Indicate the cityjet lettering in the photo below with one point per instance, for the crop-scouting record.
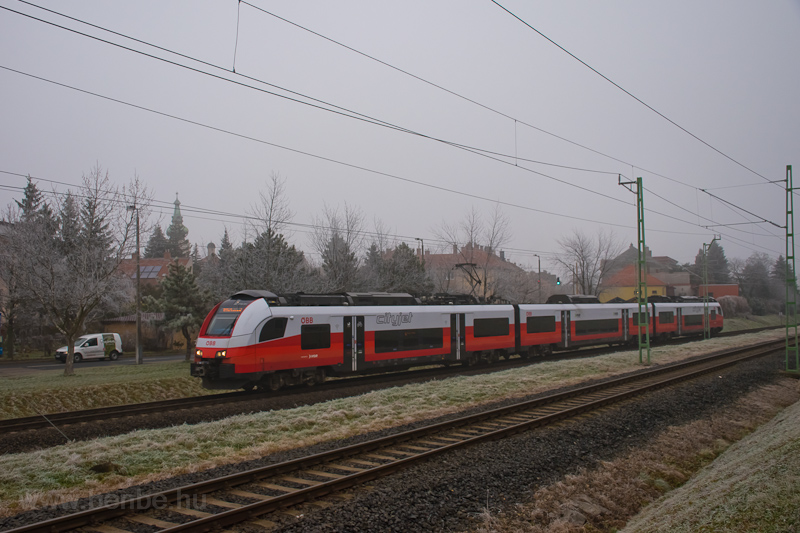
(394, 319)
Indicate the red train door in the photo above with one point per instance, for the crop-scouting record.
(353, 342)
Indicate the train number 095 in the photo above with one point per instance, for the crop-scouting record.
(307, 320)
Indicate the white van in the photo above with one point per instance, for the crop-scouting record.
(95, 346)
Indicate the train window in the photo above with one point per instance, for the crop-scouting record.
(315, 336)
(666, 317)
(713, 315)
(637, 321)
(273, 329)
(490, 327)
(541, 324)
(693, 320)
(403, 340)
(225, 317)
(589, 327)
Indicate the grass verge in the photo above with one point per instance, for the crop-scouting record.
(95, 387)
(64, 472)
(753, 486)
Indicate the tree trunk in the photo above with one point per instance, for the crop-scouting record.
(68, 364)
(188, 337)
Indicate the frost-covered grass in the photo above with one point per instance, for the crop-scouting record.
(63, 472)
(52, 392)
(753, 486)
(745, 489)
(752, 322)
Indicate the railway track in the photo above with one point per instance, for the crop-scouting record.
(252, 495)
(106, 413)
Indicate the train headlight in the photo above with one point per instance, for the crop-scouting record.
(222, 353)
(198, 353)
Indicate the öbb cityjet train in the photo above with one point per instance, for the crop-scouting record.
(259, 339)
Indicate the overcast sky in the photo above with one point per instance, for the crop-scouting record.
(555, 134)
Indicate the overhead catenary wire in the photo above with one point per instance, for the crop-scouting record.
(350, 165)
(446, 142)
(503, 158)
(648, 106)
(165, 208)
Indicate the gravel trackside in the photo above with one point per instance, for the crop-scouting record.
(449, 493)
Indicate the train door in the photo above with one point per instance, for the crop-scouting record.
(565, 327)
(625, 326)
(353, 342)
(458, 328)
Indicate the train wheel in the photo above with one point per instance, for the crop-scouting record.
(274, 382)
(249, 386)
(317, 378)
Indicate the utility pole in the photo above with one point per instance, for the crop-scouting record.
(641, 274)
(706, 324)
(539, 281)
(792, 348)
(139, 360)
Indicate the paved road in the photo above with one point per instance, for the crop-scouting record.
(22, 368)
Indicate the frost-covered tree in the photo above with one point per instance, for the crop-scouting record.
(71, 277)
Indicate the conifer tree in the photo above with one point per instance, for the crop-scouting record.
(184, 305)
(157, 244)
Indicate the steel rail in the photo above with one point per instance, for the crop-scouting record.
(397, 449)
(105, 413)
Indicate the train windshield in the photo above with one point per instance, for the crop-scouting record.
(224, 319)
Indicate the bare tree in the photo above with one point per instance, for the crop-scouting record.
(476, 242)
(586, 259)
(73, 274)
(338, 238)
(272, 213)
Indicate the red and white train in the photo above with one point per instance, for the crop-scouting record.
(259, 339)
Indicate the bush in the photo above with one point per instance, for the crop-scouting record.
(733, 306)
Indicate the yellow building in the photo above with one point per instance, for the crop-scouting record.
(623, 284)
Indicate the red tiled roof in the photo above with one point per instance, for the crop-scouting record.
(627, 278)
